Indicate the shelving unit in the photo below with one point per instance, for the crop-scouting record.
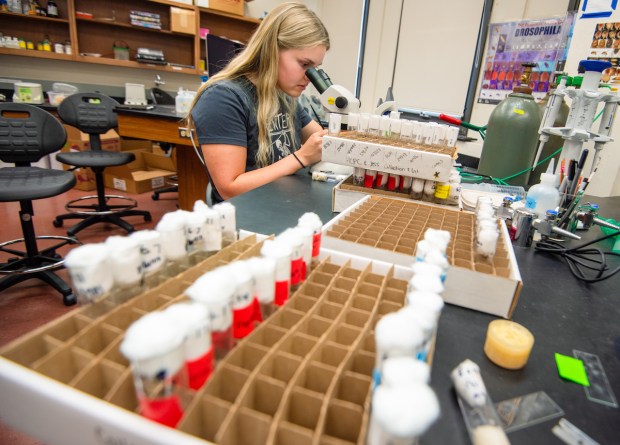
(92, 40)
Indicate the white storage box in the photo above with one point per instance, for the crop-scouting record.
(388, 230)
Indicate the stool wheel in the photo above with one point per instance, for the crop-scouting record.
(57, 223)
(155, 197)
(69, 300)
(148, 218)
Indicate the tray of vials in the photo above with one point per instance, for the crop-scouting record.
(396, 156)
(305, 375)
(389, 230)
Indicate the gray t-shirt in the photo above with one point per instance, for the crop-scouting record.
(225, 113)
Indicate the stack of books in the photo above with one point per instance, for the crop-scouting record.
(145, 19)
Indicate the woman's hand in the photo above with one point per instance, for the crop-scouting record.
(310, 151)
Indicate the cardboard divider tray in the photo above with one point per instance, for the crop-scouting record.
(388, 229)
(293, 380)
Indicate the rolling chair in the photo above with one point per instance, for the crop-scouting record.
(94, 114)
(161, 97)
(27, 134)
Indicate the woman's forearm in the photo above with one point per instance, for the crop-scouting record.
(253, 179)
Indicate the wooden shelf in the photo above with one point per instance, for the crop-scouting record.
(37, 54)
(99, 35)
(134, 64)
(33, 17)
(133, 27)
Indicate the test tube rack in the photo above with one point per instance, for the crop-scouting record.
(388, 229)
(396, 156)
(82, 351)
(303, 376)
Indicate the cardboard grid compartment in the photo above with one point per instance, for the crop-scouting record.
(395, 156)
(82, 350)
(304, 376)
(389, 229)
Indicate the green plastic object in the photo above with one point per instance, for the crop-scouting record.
(609, 231)
(511, 138)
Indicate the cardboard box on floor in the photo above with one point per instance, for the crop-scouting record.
(77, 140)
(85, 177)
(146, 173)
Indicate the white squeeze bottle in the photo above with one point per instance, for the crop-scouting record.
(543, 196)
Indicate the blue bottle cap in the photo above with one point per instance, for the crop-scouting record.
(595, 65)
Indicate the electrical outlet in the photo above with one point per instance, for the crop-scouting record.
(184, 132)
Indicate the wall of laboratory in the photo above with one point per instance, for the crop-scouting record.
(607, 179)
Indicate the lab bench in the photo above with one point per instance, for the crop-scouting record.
(562, 313)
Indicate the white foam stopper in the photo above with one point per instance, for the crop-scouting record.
(421, 317)
(125, 260)
(395, 336)
(215, 290)
(399, 371)
(264, 273)
(469, 384)
(438, 259)
(154, 346)
(172, 228)
(195, 227)
(417, 186)
(439, 238)
(212, 227)
(294, 240)
(228, 217)
(282, 254)
(486, 243)
(406, 129)
(429, 283)
(402, 413)
(89, 268)
(241, 274)
(307, 235)
(153, 257)
(426, 268)
(193, 318)
(429, 300)
(312, 220)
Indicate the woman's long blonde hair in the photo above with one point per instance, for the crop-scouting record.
(287, 26)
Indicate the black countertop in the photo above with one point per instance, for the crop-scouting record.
(561, 312)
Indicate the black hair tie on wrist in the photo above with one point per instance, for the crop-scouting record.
(298, 160)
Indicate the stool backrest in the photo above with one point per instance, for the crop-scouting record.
(28, 133)
(91, 113)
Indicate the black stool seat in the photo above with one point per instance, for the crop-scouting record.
(27, 134)
(96, 159)
(95, 114)
(19, 183)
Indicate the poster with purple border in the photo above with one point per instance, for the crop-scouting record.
(544, 42)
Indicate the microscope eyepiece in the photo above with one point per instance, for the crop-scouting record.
(319, 79)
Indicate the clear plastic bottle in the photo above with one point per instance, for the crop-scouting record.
(543, 196)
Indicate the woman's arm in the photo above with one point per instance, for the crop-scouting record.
(226, 164)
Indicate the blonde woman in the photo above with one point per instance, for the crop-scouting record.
(249, 126)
